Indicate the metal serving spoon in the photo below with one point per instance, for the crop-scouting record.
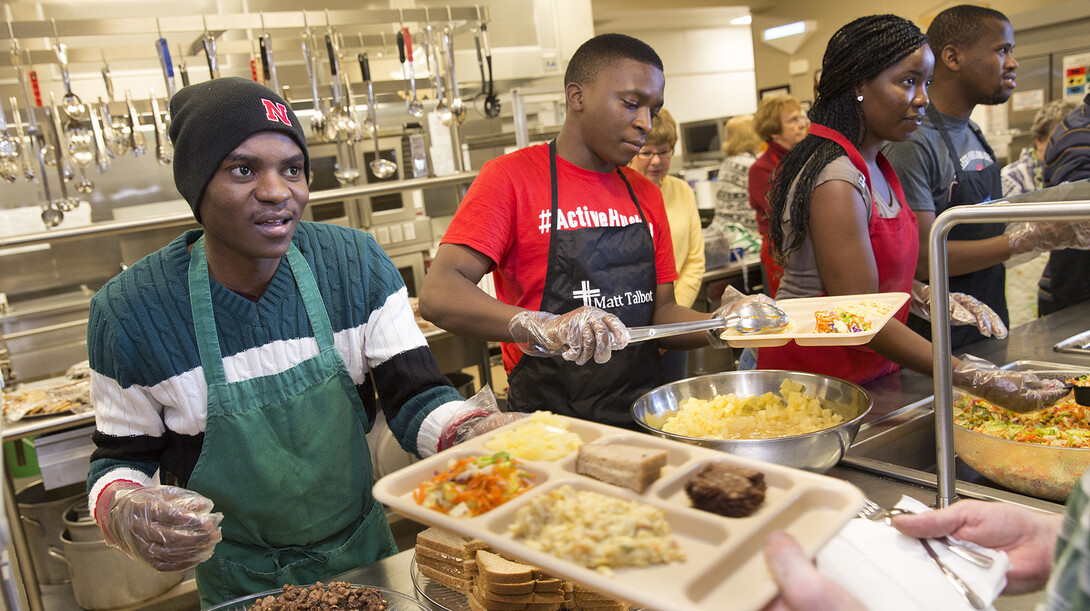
(317, 118)
(749, 318)
(457, 107)
(441, 108)
(415, 108)
(71, 104)
(381, 168)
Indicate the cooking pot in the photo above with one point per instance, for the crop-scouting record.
(41, 511)
(104, 578)
(79, 523)
(818, 451)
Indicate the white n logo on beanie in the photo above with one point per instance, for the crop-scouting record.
(276, 112)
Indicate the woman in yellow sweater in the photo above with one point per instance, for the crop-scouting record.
(653, 161)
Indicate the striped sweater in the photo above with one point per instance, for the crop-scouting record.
(147, 384)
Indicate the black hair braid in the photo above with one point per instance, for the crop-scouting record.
(855, 54)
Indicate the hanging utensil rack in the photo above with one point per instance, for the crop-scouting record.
(94, 44)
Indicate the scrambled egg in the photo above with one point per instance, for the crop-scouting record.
(596, 531)
(752, 417)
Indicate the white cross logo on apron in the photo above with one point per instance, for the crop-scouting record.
(586, 293)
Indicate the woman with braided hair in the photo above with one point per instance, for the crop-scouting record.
(839, 223)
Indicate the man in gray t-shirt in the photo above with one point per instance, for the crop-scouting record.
(947, 162)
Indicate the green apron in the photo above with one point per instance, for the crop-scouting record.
(285, 459)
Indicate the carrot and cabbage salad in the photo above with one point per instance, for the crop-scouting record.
(1083, 380)
(474, 485)
(1065, 424)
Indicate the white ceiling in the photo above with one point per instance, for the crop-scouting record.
(636, 18)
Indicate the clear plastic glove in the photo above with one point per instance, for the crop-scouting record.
(480, 414)
(577, 336)
(964, 310)
(1029, 239)
(1017, 392)
(169, 528)
(731, 299)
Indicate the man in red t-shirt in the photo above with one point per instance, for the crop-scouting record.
(579, 245)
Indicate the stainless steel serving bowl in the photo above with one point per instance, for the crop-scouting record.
(817, 451)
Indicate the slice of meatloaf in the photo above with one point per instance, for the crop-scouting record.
(727, 490)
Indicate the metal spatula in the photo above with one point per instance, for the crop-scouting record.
(748, 318)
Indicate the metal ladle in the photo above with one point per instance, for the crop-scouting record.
(317, 118)
(381, 168)
(457, 107)
(416, 109)
(51, 216)
(441, 108)
(72, 105)
(349, 174)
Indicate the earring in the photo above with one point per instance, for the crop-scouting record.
(859, 98)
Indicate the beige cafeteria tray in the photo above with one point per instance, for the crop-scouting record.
(801, 311)
(724, 561)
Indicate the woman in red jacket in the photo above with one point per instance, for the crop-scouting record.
(780, 123)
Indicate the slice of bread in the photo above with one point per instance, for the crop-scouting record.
(525, 588)
(483, 601)
(457, 584)
(454, 570)
(497, 569)
(446, 542)
(630, 466)
(550, 585)
(485, 596)
(426, 555)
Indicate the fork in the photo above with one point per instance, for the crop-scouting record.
(873, 511)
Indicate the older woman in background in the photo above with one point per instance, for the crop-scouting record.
(779, 122)
(733, 216)
(653, 161)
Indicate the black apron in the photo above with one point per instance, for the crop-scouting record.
(989, 284)
(612, 268)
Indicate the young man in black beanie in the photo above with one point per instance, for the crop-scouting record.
(236, 360)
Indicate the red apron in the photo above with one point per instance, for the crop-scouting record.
(896, 247)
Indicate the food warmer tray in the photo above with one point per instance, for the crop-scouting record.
(724, 555)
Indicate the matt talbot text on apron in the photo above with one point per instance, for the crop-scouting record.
(593, 297)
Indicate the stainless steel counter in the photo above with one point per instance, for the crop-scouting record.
(1032, 341)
